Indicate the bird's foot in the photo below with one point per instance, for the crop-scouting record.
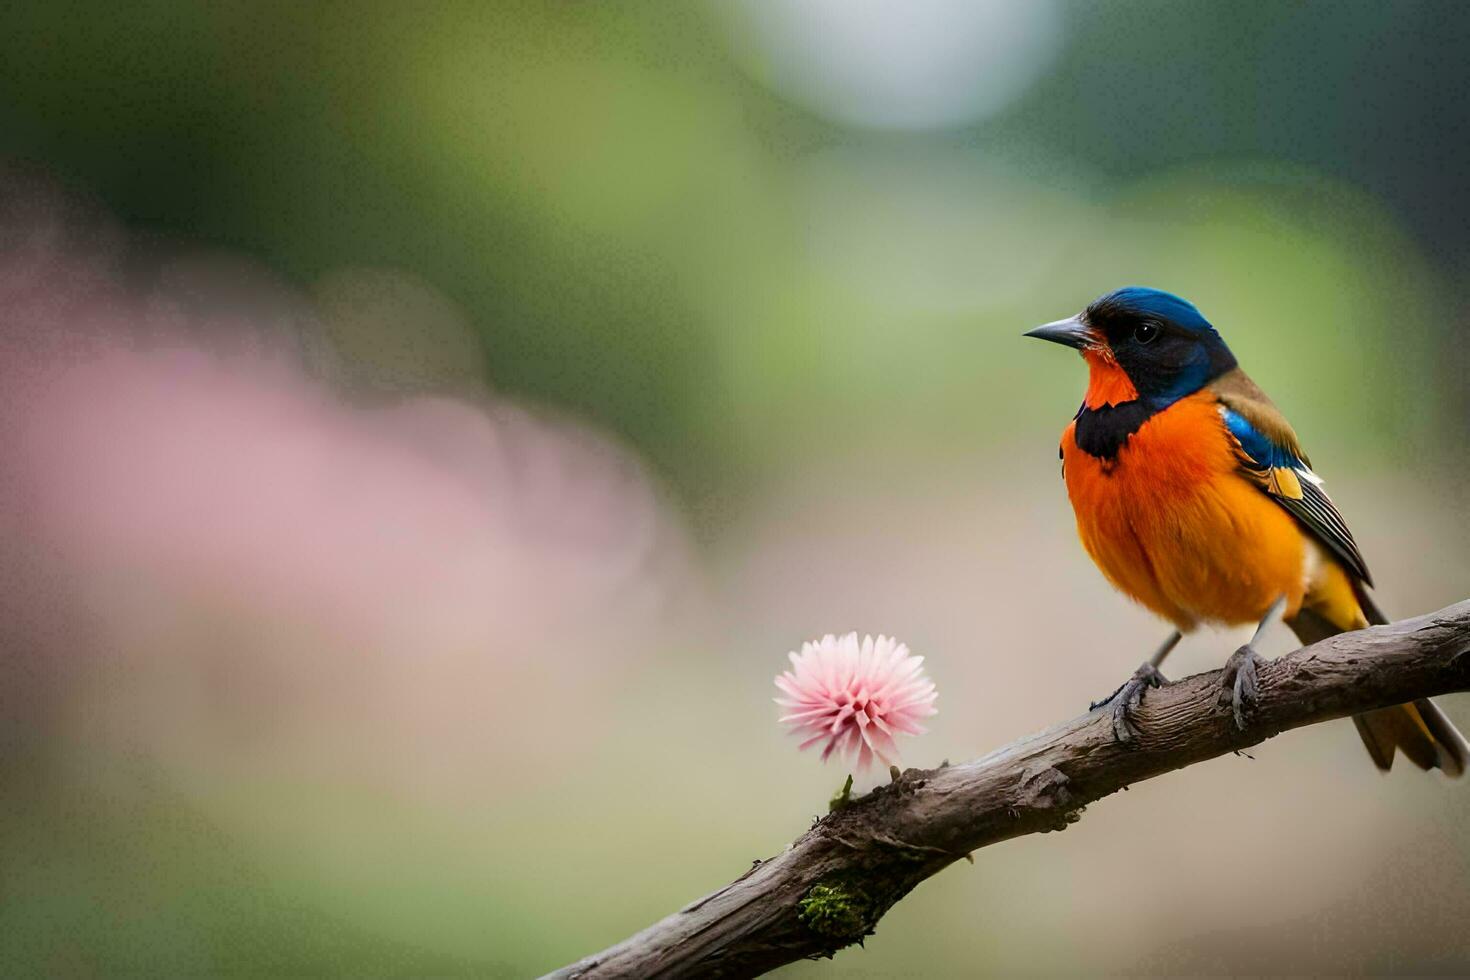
(1240, 685)
(1129, 696)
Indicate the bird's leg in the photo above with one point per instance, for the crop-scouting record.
(1239, 685)
(1130, 694)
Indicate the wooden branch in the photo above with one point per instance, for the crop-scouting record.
(829, 888)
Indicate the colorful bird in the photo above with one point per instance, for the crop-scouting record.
(1194, 497)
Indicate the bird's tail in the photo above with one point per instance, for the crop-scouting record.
(1419, 730)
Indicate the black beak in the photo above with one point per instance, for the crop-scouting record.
(1071, 332)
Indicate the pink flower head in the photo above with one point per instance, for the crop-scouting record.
(853, 696)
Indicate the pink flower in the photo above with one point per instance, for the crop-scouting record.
(853, 696)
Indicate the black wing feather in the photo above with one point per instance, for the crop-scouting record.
(1323, 519)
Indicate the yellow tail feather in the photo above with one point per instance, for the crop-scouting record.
(1419, 730)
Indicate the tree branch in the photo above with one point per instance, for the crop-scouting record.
(829, 888)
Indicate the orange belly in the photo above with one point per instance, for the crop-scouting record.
(1172, 523)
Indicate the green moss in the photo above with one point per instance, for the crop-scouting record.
(836, 911)
(842, 797)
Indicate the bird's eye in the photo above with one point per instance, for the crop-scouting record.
(1145, 332)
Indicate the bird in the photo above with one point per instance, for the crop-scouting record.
(1194, 497)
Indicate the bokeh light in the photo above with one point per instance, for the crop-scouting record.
(890, 64)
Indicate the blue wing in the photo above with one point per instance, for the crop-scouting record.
(1281, 471)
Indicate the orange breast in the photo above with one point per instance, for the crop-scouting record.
(1171, 523)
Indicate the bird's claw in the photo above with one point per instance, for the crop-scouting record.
(1130, 696)
(1240, 685)
(1093, 706)
(1146, 672)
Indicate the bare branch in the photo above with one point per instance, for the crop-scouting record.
(829, 888)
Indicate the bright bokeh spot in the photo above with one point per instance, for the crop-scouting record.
(896, 64)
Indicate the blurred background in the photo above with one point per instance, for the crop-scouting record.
(426, 427)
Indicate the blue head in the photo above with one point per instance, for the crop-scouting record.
(1162, 342)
